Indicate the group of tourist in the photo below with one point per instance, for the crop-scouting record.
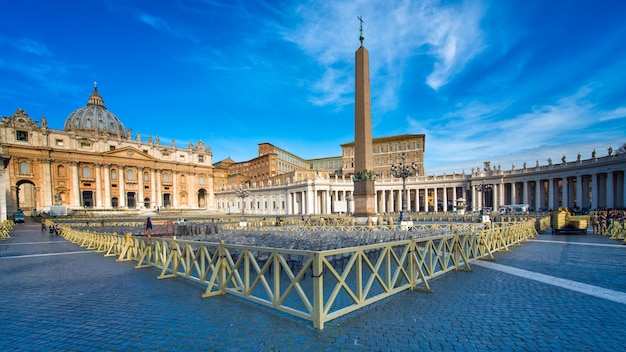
(602, 219)
(53, 229)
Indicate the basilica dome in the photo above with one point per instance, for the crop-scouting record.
(95, 118)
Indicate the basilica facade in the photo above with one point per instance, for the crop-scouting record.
(95, 163)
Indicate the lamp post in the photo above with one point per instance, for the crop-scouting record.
(483, 188)
(403, 171)
(243, 194)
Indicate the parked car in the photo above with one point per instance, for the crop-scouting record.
(18, 217)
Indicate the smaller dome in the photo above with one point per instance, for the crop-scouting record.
(94, 118)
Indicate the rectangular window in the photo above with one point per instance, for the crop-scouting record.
(165, 154)
(21, 136)
(85, 145)
(111, 147)
(59, 142)
(24, 168)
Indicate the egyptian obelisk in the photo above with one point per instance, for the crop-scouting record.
(364, 193)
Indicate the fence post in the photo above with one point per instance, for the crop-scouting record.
(318, 292)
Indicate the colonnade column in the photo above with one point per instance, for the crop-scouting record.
(580, 202)
(594, 191)
(624, 189)
(551, 193)
(417, 200)
(445, 199)
(426, 200)
(538, 196)
(610, 193)
(525, 192)
(564, 201)
(454, 197)
(513, 193)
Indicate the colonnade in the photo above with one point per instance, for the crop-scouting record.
(585, 184)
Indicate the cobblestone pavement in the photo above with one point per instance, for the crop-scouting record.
(559, 292)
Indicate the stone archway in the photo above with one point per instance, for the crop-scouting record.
(25, 195)
(201, 198)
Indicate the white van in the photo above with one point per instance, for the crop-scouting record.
(513, 209)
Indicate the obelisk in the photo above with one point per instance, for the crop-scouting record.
(364, 193)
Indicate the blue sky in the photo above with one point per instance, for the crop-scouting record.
(505, 81)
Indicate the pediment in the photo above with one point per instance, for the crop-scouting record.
(129, 152)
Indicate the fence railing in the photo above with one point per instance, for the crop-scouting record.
(314, 285)
(5, 228)
(616, 230)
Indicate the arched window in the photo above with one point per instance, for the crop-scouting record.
(113, 174)
(86, 172)
(61, 171)
(166, 177)
(130, 175)
(24, 168)
(182, 179)
(146, 177)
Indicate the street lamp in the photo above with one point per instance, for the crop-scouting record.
(243, 194)
(403, 171)
(483, 188)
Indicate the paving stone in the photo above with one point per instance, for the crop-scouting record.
(85, 301)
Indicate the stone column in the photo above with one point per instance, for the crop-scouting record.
(594, 191)
(551, 203)
(192, 191)
(417, 200)
(426, 200)
(579, 192)
(538, 195)
(454, 198)
(107, 186)
(45, 197)
(525, 192)
(175, 194)
(564, 200)
(121, 178)
(624, 189)
(3, 192)
(513, 193)
(140, 196)
(444, 199)
(75, 191)
(158, 186)
(98, 186)
(610, 190)
(153, 189)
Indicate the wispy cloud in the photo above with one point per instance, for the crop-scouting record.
(448, 35)
(27, 45)
(487, 132)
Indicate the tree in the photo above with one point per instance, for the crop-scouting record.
(621, 149)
